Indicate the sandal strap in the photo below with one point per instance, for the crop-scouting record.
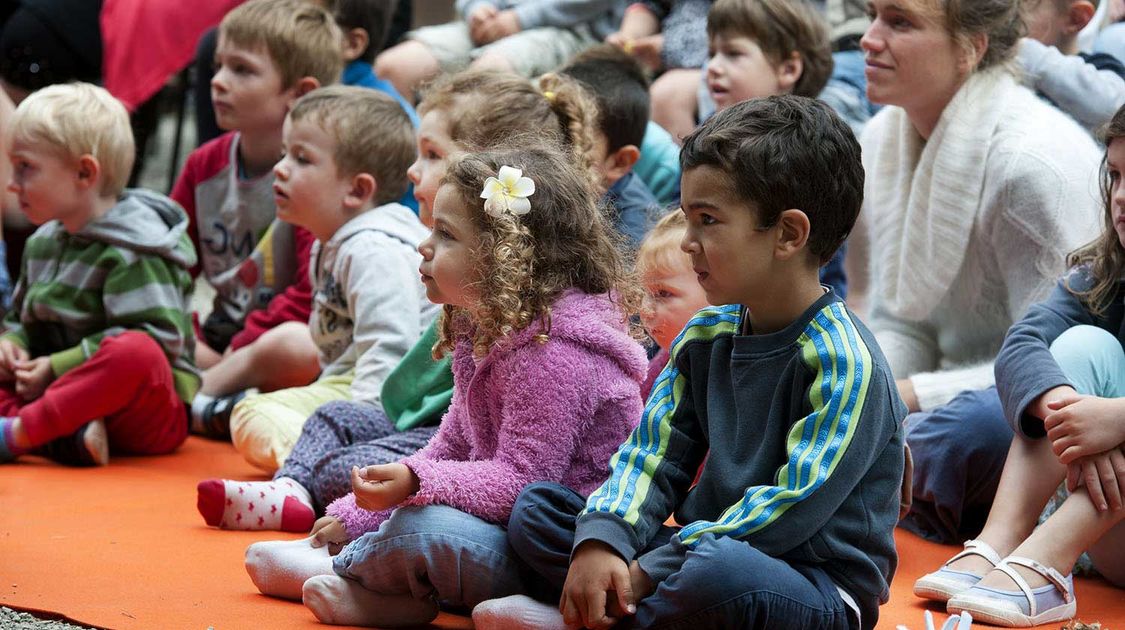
(977, 548)
(1053, 576)
(1014, 575)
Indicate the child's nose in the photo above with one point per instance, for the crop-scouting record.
(414, 173)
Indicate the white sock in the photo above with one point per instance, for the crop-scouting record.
(515, 612)
(280, 567)
(278, 505)
(343, 602)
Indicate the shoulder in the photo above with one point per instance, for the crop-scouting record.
(707, 325)
(837, 337)
(210, 158)
(1034, 129)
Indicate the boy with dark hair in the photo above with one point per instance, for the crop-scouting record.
(619, 87)
(778, 391)
(365, 24)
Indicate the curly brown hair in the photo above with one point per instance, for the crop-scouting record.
(488, 109)
(525, 262)
(1104, 255)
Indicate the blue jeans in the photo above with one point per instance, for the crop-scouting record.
(1112, 41)
(423, 556)
(723, 582)
(959, 451)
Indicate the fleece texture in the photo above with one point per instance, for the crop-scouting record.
(527, 412)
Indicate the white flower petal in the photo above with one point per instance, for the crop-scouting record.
(509, 175)
(519, 205)
(494, 206)
(491, 187)
(524, 187)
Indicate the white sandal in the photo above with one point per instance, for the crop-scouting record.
(1023, 608)
(945, 582)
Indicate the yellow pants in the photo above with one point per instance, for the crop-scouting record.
(265, 427)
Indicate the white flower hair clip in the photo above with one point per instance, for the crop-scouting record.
(508, 193)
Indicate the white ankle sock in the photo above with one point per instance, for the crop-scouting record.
(279, 505)
(343, 602)
(280, 567)
(198, 404)
(515, 612)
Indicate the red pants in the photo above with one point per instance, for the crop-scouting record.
(128, 383)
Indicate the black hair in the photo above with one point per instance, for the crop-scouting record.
(618, 84)
(373, 16)
(784, 152)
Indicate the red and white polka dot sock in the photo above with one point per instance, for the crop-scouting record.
(279, 505)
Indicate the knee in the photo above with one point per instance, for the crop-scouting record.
(938, 436)
(536, 511)
(140, 349)
(286, 344)
(718, 569)
(1086, 355)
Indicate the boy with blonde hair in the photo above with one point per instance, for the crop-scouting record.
(369, 304)
(97, 350)
(270, 52)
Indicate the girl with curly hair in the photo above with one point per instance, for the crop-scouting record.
(537, 303)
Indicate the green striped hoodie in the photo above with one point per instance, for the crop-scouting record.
(125, 270)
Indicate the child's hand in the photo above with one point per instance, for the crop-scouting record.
(1104, 477)
(10, 355)
(382, 487)
(499, 26)
(647, 51)
(329, 530)
(1080, 426)
(477, 18)
(595, 571)
(33, 376)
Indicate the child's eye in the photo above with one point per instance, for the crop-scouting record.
(1114, 176)
(707, 219)
(444, 234)
(900, 23)
(433, 155)
(664, 294)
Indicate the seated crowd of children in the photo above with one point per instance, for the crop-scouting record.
(511, 346)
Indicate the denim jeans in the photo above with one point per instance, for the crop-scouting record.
(959, 451)
(723, 582)
(423, 556)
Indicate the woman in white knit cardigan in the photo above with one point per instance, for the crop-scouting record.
(976, 190)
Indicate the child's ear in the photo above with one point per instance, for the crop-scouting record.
(355, 42)
(789, 71)
(362, 192)
(621, 161)
(304, 86)
(792, 235)
(1079, 15)
(89, 170)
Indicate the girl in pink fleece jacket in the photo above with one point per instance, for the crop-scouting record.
(546, 385)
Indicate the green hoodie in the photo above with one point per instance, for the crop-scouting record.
(125, 270)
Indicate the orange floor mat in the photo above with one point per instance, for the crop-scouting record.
(123, 547)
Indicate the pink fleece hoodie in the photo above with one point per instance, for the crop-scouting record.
(528, 412)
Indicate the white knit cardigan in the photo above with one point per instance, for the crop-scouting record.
(970, 227)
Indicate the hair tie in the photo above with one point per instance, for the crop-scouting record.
(508, 193)
(550, 96)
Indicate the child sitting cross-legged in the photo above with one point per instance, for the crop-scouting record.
(97, 350)
(546, 382)
(778, 391)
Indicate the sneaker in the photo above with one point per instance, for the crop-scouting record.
(88, 446)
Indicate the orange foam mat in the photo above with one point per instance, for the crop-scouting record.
(123, 547)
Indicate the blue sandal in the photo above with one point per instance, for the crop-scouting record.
(1023, 608)
(945, 582)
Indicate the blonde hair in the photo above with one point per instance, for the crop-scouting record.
(300, 37)
(1104, 256)
(660, 249)
(371, 131)
(524, 263)
(487, 109)
(80, 119)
